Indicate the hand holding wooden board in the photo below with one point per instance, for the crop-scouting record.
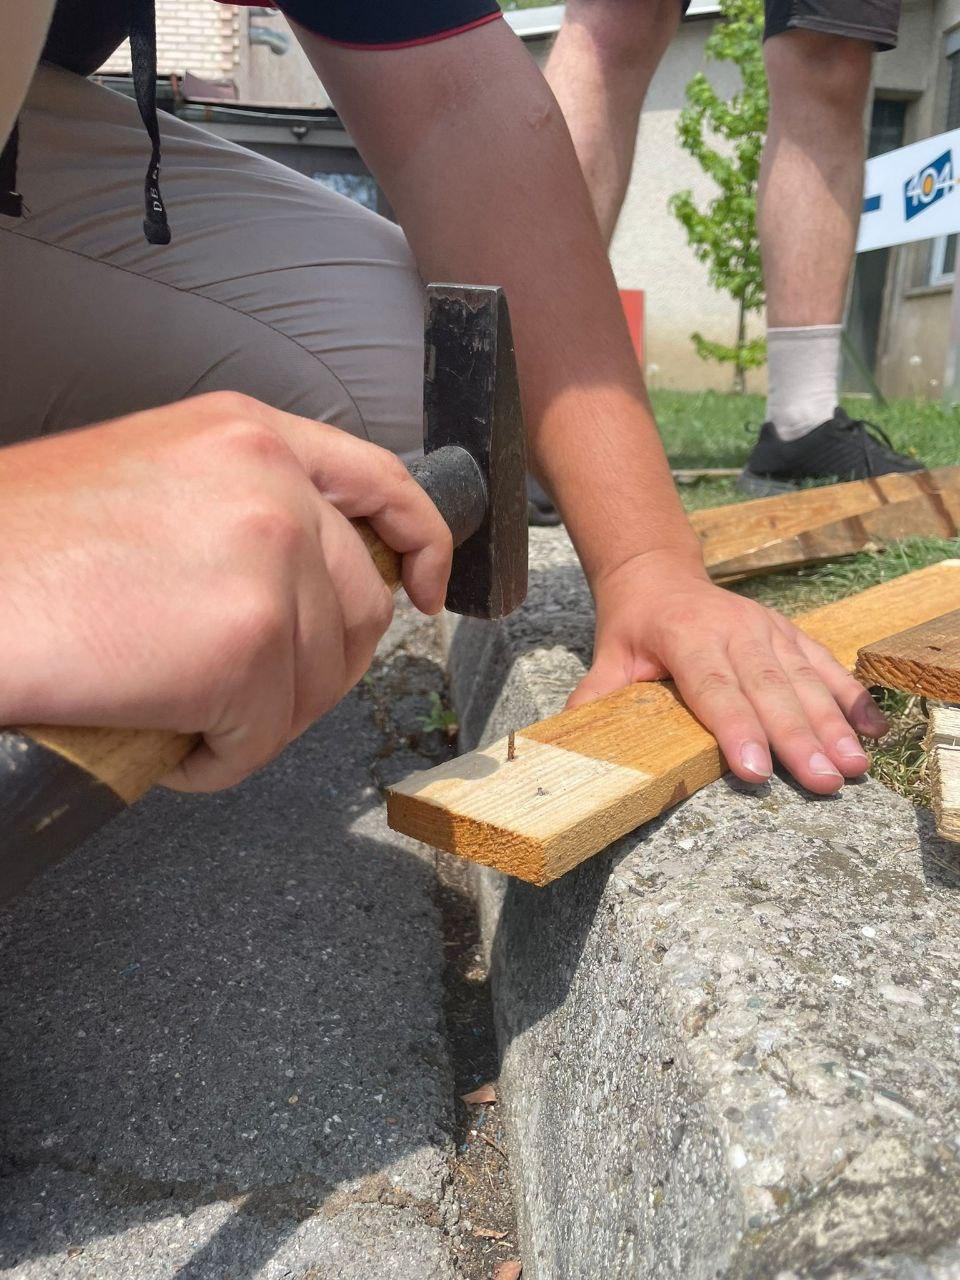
(583, 778)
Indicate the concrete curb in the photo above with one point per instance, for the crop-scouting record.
(730, 1042)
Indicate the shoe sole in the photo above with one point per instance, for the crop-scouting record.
(765, 486)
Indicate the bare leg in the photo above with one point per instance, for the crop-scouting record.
(599, 69)
(811, 183)
(811, 177)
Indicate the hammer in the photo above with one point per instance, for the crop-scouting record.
(58, 785)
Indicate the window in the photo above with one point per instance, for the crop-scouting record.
(337, 167)
(887, 122)
(942, 252)
(941, 263)
(355, 186)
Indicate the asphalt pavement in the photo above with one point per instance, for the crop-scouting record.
(221, 1039)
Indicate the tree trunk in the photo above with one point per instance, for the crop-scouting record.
(739, 373)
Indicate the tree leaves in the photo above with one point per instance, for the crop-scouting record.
(725, 137)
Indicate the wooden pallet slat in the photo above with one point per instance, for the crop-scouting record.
(583, 778)
(923, 660)
(811, 524)
(943, 769)
(929, 516)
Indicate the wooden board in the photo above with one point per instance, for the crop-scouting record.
(943, 769)
(583, 778)
(924, 660)
(744, 528)
(930, 516)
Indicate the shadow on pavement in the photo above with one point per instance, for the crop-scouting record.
(231, 998)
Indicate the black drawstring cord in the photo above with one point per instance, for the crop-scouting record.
(11, 201)
(143, 52)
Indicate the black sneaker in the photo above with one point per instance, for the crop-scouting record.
(540, 508)
(842, 448)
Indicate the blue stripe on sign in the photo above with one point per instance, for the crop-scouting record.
(871, 203)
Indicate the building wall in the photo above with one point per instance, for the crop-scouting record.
(917, 329)
(278, 80)
(192, 35)
(650, 250)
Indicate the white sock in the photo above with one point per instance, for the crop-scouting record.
(803, 369)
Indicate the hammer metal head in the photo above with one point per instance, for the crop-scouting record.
(472, 399)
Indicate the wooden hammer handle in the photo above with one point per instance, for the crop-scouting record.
(58, 784)
(385, 558)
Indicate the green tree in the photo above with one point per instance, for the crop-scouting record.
(725, 137)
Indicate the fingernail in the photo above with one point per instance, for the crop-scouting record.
(754, 759)
(824, 768)
(851, 747)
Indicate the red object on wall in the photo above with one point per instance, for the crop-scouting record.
(632, 301)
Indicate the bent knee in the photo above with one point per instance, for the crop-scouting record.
(626, 32)
(812, 71)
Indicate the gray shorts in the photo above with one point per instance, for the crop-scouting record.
(274, 285)
(873, 20)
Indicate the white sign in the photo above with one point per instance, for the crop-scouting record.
(911, 193)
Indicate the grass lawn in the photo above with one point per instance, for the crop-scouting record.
(714, 430)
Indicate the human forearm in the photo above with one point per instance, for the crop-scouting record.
(469, 145)
(509, 206)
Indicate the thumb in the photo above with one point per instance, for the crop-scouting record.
(608, 672)
(611, 671)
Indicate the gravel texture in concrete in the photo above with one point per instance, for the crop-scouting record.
(221, 1038)
(730, 1043)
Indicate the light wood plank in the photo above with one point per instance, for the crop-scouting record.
(930, 516)
(583, 778)
(923, 660)
(943, 768)
(743, 528)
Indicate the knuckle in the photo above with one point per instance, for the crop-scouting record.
(259, 754)
(271, 526)
(259, 619)
(804, 673)
(814, 647)
(383, 610)
(392, 473)
(370, 622)
(227, 405)
(273, 745)
(395, 470)
(715, 683)
(378, 614)
(328, 684)
(253, 441)
(770, 679)
(796, 733)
